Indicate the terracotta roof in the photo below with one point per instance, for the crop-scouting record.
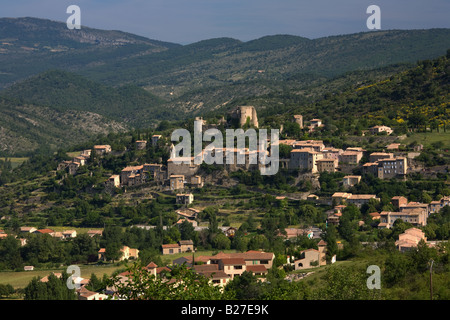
(152, 265)
(45, 231)
(309, 250)
(257, 268)
(206, 268)
(249, 255)
(362, 196)
(233, 261)
(95, 231)
(204, 259)
(170, 245)
(160, 269)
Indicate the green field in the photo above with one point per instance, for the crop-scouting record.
(22, 278)
(15, 162)
(429, 138)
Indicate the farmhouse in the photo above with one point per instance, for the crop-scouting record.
(180, 247)
(379, 129)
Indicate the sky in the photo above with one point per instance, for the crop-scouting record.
(188, 21)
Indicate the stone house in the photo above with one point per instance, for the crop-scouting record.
(312, 258)
(350, 181)
(113, 181)
(176, 182)
(410, 239)
(184, 198)
(196, 182)
(375, 156)
(329, 165)
(304, 159)
(102, 149)
(351, 157)
(141, 144)
(155, 139)
(379, 129)
(232, 266)
(180, 247)
(415, 216)
(211, 271)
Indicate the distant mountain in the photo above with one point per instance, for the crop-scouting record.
(130, 81)
(225, 61)
(30, 45)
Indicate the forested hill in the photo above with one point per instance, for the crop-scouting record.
(26, 129)
(225, 61)
(416, 99)
(29, 46)
(65, 91)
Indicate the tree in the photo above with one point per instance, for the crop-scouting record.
(346, 228)
(112, 251)
(330, 238)
(346, 284)
(184, 284)
(397, 266)
(54, 289)
(95, 284)
(244, 287)
(187, 231)
(6, 290)
(221, 242)
(10, 252)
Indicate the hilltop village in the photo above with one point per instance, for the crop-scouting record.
(309, 160)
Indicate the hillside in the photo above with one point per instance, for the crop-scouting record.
(219, 62)
(136, 81)
(26, 129)
(30, 45)
(65, 91)
(418, 98)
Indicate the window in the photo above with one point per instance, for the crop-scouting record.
(237, 267)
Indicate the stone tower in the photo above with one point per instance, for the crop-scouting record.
(247, 112)
(299, 119)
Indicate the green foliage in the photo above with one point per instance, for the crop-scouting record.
(65, 91)
(55, 289)
(346, 284)
(181, 284)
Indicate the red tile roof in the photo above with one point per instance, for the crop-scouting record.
(45, 231)
(233, 261)
(257, 268)
(152, 265)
